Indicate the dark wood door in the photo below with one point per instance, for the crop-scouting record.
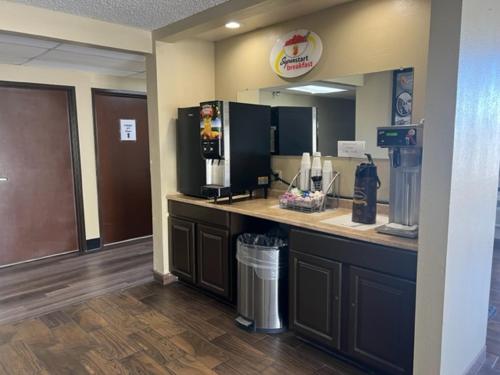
(381, 320)
(123, 167)
(213, 260)
(37, 191)
(315, 298)
(182, 249)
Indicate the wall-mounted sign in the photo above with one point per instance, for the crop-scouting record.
(296, 53)
(402, 97)
(127, 130)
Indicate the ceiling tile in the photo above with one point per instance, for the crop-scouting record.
(19, 51)
(75, 66)
(26, 41)
(100, 52)
(92, 61)
(12, 60)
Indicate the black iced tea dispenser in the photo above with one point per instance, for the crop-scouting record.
(366, 184)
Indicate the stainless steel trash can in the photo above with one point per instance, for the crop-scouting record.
(262, 283)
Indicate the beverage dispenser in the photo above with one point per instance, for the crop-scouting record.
(405, 154)
(235, 145)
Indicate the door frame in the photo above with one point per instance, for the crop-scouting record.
(75, 152)
(119, 93)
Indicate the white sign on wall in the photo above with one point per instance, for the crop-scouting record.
(127, 130)
(351, 149)
(296, 53)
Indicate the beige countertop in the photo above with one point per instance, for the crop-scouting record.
(268, 209)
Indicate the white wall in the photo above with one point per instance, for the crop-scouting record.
(83, 83)
(179, 75)
(374, 108)
(459, 186)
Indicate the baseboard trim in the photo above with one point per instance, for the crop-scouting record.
(478, 362)
(133, 241)
(93, 244)
(164, 279)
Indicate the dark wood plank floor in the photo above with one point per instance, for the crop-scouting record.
(492, 365)
(32, 289)
(145, 329)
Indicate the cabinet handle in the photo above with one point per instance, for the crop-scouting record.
(4, 179)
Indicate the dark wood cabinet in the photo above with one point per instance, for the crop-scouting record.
(381, 320)
(351, 297)
(315, 287)
(182, 249)
(213, 260)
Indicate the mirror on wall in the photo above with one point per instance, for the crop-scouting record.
(316, 115)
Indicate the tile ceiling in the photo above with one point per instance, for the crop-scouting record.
(20, 50)
(145, 14)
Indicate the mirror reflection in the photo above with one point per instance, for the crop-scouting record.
(316, 115)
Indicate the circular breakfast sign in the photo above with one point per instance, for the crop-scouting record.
(296, 53)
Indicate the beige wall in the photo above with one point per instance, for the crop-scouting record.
(373, 108)
(179, 75)
(83, 83)
(335, 116)
(289, 166)
(358, 37)
(19, 18)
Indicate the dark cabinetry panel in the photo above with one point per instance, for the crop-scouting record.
(213, 260)
(315, 298)
(182, 248)
(351, 297)
(381, 320)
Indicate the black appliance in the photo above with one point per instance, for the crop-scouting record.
(293, 130)
(234, 140)
(191, 171)
(366, 184)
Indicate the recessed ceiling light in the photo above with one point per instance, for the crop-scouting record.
(315, 89)
(233, 25)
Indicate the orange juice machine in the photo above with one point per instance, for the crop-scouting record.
(235, 144)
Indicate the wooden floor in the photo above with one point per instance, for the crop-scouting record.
(492, 365)
(145, 329)
(39, 287)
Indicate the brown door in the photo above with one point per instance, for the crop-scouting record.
(123, 166)
(37, 191)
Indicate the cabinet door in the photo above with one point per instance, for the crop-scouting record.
(213, 260)
(315, 288)
(381, 320)
(181, 243)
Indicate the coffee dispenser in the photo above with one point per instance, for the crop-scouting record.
(366, 184)
(235, 144)
(405, 154)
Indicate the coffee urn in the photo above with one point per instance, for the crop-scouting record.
(366, 184)
(405, 154)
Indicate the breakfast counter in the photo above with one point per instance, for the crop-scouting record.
(268, 209)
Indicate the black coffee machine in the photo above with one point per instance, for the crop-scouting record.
(366, 184)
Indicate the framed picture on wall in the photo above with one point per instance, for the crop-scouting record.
(402, 97)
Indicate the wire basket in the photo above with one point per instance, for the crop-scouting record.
(307, 204)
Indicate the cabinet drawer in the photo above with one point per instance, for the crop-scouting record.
(199, 214)
(401, 263)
